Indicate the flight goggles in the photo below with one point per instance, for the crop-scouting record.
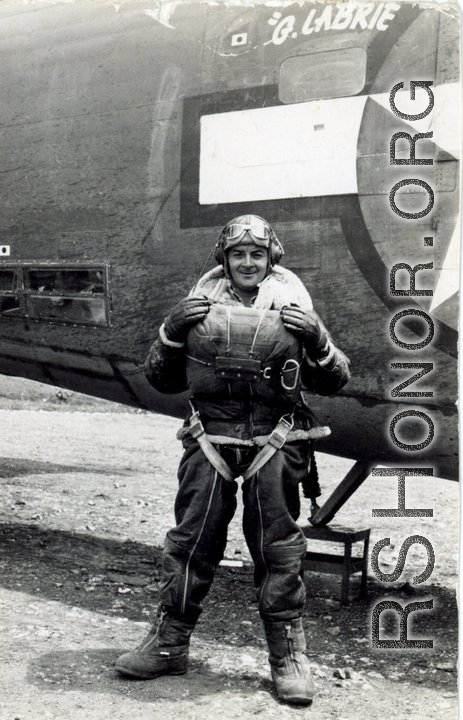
(258, 231)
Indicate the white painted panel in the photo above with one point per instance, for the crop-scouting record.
(289, 151)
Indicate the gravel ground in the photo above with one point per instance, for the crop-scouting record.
(87, 498)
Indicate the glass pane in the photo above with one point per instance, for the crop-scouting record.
(65, 281)
(9, 303)
(7, 280)
(85, 310)
(329, 74)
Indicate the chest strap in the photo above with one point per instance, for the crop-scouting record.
(276, 440)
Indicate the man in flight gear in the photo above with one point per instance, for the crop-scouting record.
(244, 342)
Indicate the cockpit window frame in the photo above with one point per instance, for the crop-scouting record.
(28, 295)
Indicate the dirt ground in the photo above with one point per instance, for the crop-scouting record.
(87, 496)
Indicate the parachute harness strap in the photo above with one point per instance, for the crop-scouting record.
(251, 351)
(197, 432)
(276, 441)
(201, 362)
(228, 330)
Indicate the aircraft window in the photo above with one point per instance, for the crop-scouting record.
(63, 280)
(9, 299)
(329, 74)
(66, 295)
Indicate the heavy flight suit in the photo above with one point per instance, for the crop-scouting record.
(238, 417)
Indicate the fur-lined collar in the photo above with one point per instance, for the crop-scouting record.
(281, 287)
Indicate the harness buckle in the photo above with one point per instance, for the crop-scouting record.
(278, 435)
(196, 427)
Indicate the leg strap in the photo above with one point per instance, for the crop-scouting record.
(276, 440)
(197, 432)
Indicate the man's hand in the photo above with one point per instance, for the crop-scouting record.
(307, 325)
(184, 314)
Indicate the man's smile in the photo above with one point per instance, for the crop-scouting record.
(248, 264)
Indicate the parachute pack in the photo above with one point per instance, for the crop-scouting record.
(239, 350)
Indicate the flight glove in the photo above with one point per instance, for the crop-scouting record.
(184, 314)
(307, 325)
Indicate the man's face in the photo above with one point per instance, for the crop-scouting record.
(248, 265)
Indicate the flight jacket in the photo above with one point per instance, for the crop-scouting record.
(244, 418)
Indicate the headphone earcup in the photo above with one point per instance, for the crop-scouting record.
(218, 252)
(276, 251)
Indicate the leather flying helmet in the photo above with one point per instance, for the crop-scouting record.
(248, 227)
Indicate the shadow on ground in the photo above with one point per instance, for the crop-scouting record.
(121, 579)
(93, 671)
(17, 467)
